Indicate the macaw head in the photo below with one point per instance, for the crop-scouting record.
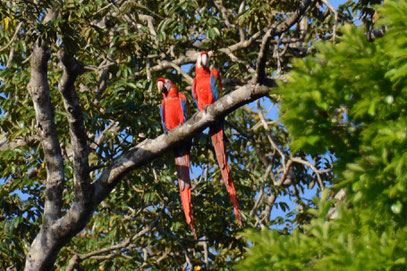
(164, 85)
(203, 60)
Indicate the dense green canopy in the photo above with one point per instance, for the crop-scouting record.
(350, 98)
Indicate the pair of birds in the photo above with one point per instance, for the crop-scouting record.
(206, 88)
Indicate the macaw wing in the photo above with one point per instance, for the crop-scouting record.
(216, 84)
(162, 118)
(184, 105)
(194, 94)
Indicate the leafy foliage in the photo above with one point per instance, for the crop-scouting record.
(350, 98)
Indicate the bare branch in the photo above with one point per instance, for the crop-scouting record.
(122, 245)
(242, 33)
(260, 198)
(183, 73)
(335, 12)
(39, 91)
(12, 38)
(113, 250)
(150, 23)
(311, 166)
(191, 56)
(71, 70)
(17, 142)
(224, 12)
(268, 133)
(274, 30)
(112, 127)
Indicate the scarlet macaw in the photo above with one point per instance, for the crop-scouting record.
(206, 89)
(174, 112)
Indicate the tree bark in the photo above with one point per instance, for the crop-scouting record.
(38, 259)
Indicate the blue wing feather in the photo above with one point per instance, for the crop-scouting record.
(162, 118)
(216, 85)
(184, 107)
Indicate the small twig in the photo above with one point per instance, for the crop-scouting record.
(169, 234)
(335, 12)
(12, 38)
(268, 133)
(311, 166)
(98, 68)
(182, 72)
(259, 199)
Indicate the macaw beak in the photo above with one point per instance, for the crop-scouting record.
(161, 88)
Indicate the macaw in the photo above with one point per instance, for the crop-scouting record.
(174, 112)
(206, 89)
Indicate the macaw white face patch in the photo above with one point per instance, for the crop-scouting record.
(168, 84)
(203, 60)
(160, 85)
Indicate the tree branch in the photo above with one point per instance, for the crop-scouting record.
(311, 166)
(191, 56)
(71, 70)
(12, 38)
(335, 12)
(39, 91)
(149, 149)
(77, 217)
(276, 29)
(17, 142)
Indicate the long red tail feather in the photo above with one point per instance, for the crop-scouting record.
(182, 165)
(219, 146)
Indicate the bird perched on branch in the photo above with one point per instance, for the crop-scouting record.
(206, 89)
(174, 112)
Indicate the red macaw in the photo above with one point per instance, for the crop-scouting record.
(206, 89)
(174, 112)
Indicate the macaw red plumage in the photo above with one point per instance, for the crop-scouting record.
(174, 112)
(206, 89)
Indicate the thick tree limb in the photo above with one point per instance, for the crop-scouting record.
(71, 70)
(39, 91)
(149, 149)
